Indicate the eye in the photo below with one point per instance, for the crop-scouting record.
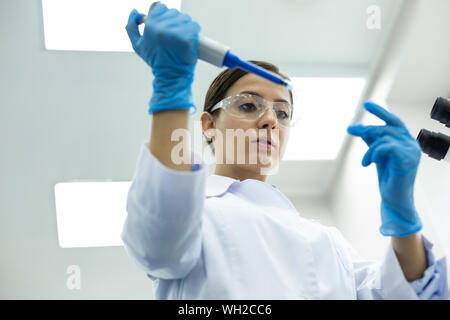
(282, 115)
(248, 107)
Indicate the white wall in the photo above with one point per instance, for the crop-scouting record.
(354, 201)
(433, 178)
(63, 115)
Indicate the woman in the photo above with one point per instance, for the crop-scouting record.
(231, 235)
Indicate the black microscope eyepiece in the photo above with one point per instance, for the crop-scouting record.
(441, 111)
(434, 144)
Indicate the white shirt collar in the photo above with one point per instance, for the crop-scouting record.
(217, 185)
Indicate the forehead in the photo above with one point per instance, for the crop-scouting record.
(263, 87)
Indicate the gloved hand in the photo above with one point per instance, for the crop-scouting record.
(169, 46)
(397, 155)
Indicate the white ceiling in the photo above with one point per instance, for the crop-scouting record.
(324, 33)
(86, 111)
(75, 91)
(424, 70)
(321, 32)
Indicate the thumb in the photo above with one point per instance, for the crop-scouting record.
(132, 26)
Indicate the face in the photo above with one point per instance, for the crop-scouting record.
(239, 147)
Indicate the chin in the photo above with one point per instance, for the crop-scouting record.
(266, 165)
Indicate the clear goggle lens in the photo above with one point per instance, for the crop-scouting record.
(252, 107)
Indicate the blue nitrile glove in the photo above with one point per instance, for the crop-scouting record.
(397, 155)
(169, 46)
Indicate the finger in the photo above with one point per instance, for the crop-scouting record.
(354, 129)
(382, 152)
(192, 28)
(367, 159)
(132, 26)
(179, 19)
(383, 114)
(181, 24)
(371, 133)
(156, 9)
(374, 131)
(359, 130)
(171, 18)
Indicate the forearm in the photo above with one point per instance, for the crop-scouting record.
(161, 144)
(411, 255)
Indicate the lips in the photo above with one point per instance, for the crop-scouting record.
(265, 140)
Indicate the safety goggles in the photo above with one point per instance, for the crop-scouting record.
(252, 107)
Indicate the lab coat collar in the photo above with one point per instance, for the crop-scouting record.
(217, 185)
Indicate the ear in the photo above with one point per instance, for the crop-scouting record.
(208, 124)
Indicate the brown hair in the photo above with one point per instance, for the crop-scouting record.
(225, 79)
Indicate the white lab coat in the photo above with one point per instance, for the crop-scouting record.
(214, 237)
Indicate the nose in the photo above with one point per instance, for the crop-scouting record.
(268, 120)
